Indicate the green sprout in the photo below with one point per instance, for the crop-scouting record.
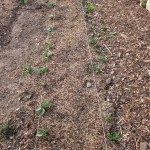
(111, 34)
(97, 50)
(84, 2)
(93, 41)
(52, 17)
(49, 46)
(24, 2)
(107, 117)
(42, 71)
(41, 133)
(51, 29)
(103, 59)
(97, 69)
(143, 3)
(47, 55)
(51, 5)
(90, 7)
(114, 137)
(41, 109)
(6, 131)
(28, 69)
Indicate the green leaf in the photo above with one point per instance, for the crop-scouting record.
(24, 2)
(40, 110)
(93, 41)
(47, 55)
(41, 133)
(84, 2)
(28, 69)
(97, 69)
(42, 70)
(114, 137)
(103, 59)
(45, 105)
(90, 7)
(51, 5)
(51, 17)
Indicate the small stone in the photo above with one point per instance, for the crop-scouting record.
(109, 81)
(148, 5)
(143, 146)
(89, 84)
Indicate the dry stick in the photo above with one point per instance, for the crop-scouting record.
(38, 124)
(98, 100)
(108, 49)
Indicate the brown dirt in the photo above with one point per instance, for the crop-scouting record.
(74, 121)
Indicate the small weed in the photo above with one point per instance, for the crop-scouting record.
(143, 3)
(6, 131)
(42, 70)
(93, 41)
(49, 46)
(103, 59)
(98, 51)
(24, 2)
(111, 34)
(28, 69)
(51, 29)
(97, 69)
(51, 5)
(84, 2)
(107, 117)
(52, 17)
(114, 137)
(41, 133)
(90, 7)
(47, 55)
(107, 33)
(86, 15)
(41, 109)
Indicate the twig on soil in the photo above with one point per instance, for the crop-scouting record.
(108, 49)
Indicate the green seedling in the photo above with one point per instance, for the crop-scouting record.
(90, 7)
(47, 55)
(6, 131)
(103, 59)
(41, 109)
(49, 46)
(41, 133)
(97, 69)
(143, 3)
(107, 117)
(42, 70)
(111, 34)
(51, 5)
(28, 69)
(24, 2)
(51, 29)
(52, 17)
(84, 2)
(114, 137)
(86, 15)
(93, 41)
